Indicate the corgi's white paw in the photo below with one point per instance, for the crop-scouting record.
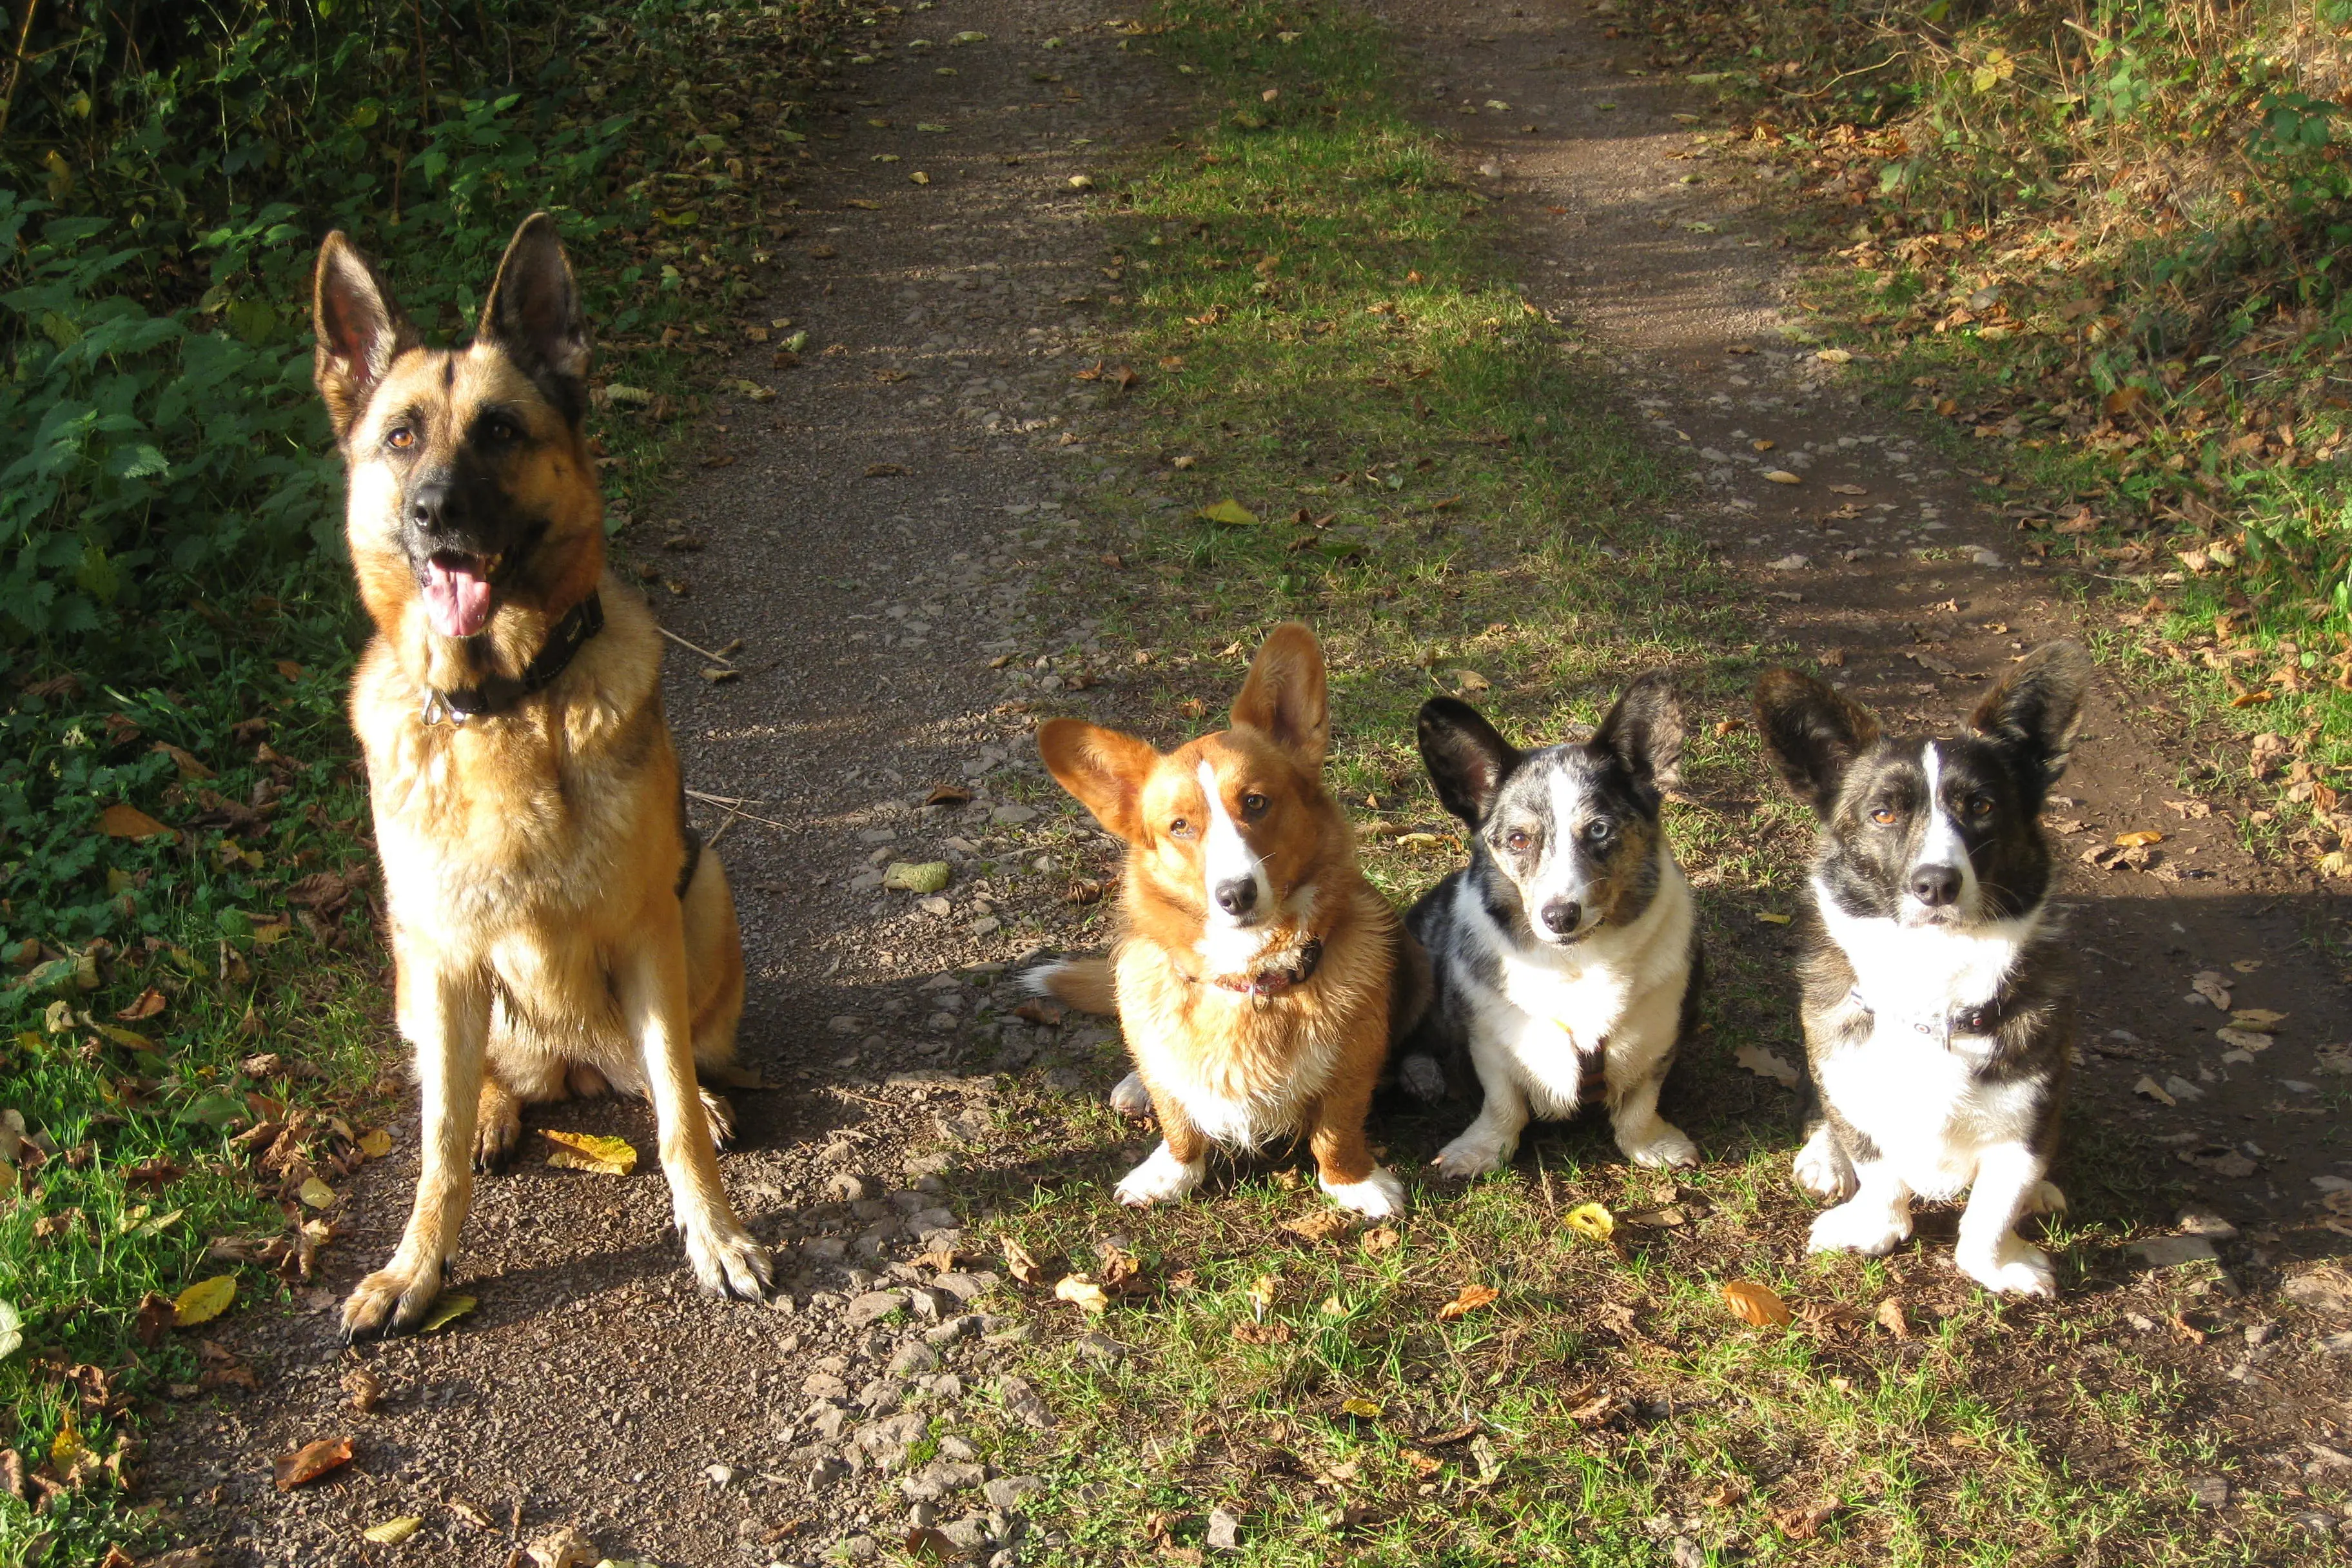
(2045, 1198)
(1162, 1179)
(1661, 1145)
(1822, 1169)
(1378, 1196)
(1130, 1098)
(1475, 1154)
(2017, 1267)
(1871, 1229)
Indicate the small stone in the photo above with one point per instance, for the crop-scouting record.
(1005, 1493)
(966, 1287)
(1013, 814)
(2207, 1223)
(914, 1357)
(947, 1386)
(936, 1480)
(954, 1448)
(923, 1515)
(1100, 1348)
(845, 1187)
(2172, 1251)
(1793, 563)
(1688, 1553)
(830, 1421)
(963, 1325)
(1024, 1405)
(828, 1470)
(883, 1395)
(823, 1386)
(1224, 1531)
(857, 1549)
(969, 1533)
(2209, 1491)
(720, 1475)
(872, 1307)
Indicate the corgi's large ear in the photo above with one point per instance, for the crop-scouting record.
(1466, 757)
(1102, 768)
(361, 329)
(1645, 733)
(1812, 734)
(534, 313)
(1287, 698)
(2035, 709)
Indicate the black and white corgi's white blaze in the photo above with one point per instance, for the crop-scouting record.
(1566, 951)
(1938, 995)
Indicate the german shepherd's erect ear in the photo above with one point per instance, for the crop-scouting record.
(533, 313)
(361, 330)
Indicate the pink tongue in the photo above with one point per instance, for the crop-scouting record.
(457, 601)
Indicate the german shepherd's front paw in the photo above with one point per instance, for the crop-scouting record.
(728, 1262)
(393, 1299)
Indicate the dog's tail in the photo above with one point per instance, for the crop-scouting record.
(1080, 982)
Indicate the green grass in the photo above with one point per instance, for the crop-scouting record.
(1322, 328)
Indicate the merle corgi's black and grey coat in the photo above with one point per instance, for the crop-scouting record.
(1938, 997)
(1567, 948)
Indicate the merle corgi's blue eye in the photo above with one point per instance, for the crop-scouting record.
(1598, 831)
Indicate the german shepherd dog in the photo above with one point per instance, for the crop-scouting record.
(556, 926)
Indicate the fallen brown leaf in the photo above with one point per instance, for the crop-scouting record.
(1022, 1264)
(1320, 1226)
(310, 1461)
(1892, 1319)
(1759, 1305)
(1469, 1301)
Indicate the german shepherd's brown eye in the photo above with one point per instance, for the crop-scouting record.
(1254, 806)
(1883, 816)
(500, 428)
(400, 437)
(1180, 829)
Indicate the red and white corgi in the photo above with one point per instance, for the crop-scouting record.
(1256, 975)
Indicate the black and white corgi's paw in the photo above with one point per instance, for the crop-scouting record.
(1871, 1229)
(1659, 1145)
(1822, 1169)
(1130, 1098)
(1477, 1151)
(2015, 1267)
(1420, 1076)
(2045, 1199)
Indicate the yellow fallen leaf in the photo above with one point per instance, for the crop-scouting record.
(1590, 1220)
(1758, 1304)
(445, 1311)
(2261, 1018)
(1469, 1301)
(1228, 511)
(1783, 477)
(316, 1192)
(589, 1152)
(204, 1300)
(1084, 1294)
(1366, 1409)
(2140, 837)
(1769, 918)
(1470, 680)
(1261, 1294)
(129, 822)
(392, 1532)
(375, 1143)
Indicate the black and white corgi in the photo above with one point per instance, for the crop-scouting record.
(1938, 994)
(1567, 947)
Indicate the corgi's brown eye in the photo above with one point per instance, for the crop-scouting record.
(1254, 806)
(1180, 829)
(1883, 816)
(1516, 838)
(1979, 806)
(400, 437)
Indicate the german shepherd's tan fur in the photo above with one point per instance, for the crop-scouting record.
(532, 854)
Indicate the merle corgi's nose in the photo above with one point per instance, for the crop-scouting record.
(1936, 885)
(1561, 916)
(1238, 896)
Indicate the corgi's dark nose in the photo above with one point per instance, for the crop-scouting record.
(1561, 916)
(1936, 885)
(1238, 896)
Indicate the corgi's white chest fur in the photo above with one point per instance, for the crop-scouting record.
(1551, 1008)
(1912, 1090)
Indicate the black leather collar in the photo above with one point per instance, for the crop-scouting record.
(497, 694)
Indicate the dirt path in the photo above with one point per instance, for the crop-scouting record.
(1884, 562)
(886, 538)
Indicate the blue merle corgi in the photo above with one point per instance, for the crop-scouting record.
(1565, 956)
(1939, 994)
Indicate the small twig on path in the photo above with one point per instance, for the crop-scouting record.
(692, 647)
(733, 811)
